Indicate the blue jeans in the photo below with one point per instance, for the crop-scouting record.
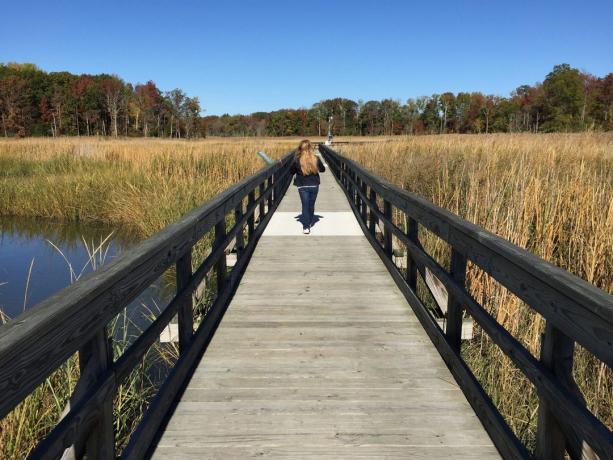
(308, 195)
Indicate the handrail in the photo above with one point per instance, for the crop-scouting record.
(75, 319)
(574, 310)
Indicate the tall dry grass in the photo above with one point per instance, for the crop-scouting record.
(551, 194)
(144, 184)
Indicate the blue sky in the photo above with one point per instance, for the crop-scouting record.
(245, 56)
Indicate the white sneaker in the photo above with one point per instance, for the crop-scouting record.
(306, 230)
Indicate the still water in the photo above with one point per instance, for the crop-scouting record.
(39, 257)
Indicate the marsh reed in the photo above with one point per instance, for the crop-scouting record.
(551, 194)
(143, 184)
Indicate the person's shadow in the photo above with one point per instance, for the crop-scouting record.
(316, 218)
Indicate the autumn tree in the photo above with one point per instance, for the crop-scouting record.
(13, 105)
(563, 96)
(113, 91)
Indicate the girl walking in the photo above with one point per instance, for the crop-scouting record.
(307, 166)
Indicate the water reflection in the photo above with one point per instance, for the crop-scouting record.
(38, 257)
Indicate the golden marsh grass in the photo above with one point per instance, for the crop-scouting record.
(551, 194)
(143, 184)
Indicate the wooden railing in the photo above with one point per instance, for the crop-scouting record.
(76, 320)
(575, 311)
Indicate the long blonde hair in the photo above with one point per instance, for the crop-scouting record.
(306, 158)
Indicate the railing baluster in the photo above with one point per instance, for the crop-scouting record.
(387, 234)
(240, 240)
(454, 307)
(270, 197)
(557, 354)
(555, 348)
(251, 218)
(220, 266)
(95, 358)
(372, 218)
(262, 188)
(412, 234)
(363, 202)
(185, 314)
(346, 177)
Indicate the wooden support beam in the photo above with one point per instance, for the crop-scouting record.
(555, 437)
(250, 219)
(220, 266)
(240, 237)
(412, 234)
(269, 184)
(387, 234)
(372, 218)
(95, 358)
(262, 188)
(454, 307)
(185, 315)
(363, 204)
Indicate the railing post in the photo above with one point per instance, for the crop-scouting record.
(95, 358)
(270, 197)
(240, 240)
(412, 234)
(277, 184)
(185, 314)
(454, 307)
(251, 218)
(387, 234)
(557, 354)
(372, 219)
(363, 202)
(262, 202)
(550, 439)
(220, 266)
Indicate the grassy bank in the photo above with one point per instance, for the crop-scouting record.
(551, 194)
(143, 184)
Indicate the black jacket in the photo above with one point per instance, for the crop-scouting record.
(304, 181)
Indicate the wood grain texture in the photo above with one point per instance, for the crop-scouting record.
(319, 355)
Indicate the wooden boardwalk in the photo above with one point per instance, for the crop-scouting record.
(319, 355)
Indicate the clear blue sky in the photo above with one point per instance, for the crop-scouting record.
(245, 56)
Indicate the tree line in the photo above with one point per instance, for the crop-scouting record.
(34, 102)
(38, 103)
(567, 100)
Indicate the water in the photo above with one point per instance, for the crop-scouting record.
(39, 257)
